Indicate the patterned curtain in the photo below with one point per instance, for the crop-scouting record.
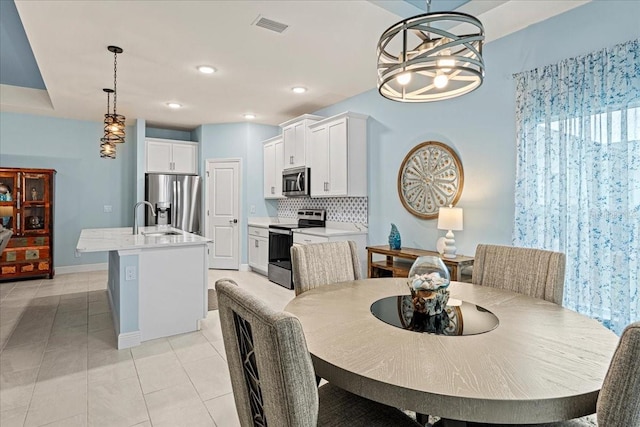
(578, 177)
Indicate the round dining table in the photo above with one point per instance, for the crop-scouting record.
(542, 363)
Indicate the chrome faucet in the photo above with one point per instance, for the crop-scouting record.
(135, 217)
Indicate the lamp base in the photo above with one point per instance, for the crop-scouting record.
(449, 246)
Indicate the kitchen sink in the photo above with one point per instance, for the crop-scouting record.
(160, 233)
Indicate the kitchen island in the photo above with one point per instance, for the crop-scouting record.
(157, 283)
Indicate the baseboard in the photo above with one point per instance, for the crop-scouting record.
(82, 268)
(128, 340)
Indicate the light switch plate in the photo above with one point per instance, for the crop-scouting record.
(108, 208)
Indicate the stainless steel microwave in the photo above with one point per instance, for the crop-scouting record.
(295, 182)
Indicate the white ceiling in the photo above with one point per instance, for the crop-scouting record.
(329, 48)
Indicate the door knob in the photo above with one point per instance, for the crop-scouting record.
(233, 221)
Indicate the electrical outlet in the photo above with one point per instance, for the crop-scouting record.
(130, 273)
(252, 209)
(107, 209)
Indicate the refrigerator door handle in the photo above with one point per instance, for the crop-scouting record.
(176, 203)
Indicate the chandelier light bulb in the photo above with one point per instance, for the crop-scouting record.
(446, 64)
(440, 81)
(404, 78)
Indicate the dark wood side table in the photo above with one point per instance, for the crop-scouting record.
(398, 262)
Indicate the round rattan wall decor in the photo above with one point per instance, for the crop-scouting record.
(430, 176)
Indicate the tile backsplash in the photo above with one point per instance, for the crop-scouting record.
(339, 209)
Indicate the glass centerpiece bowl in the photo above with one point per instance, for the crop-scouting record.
(428, 282)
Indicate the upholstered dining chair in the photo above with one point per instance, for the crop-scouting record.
(272, 374)
(324, 263)
(619, 399)
(533, 272)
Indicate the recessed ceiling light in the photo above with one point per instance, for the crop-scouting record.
(299, 89)
(174, 105)
(205, 69)
(249, 116)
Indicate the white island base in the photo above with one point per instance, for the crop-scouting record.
(157, 286)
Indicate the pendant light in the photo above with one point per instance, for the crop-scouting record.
(114, 123)
(107, 146)
(431, 57)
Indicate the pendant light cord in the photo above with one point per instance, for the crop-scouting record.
(115, 81)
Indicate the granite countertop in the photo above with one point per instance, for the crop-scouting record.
(266, 222)
(113, 239)
(328, 232)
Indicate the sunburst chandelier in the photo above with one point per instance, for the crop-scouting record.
(431, 57)
(114, 123)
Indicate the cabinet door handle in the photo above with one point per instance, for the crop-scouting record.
(273, 190)
(327, 185)
(290, 160)
(256, 243)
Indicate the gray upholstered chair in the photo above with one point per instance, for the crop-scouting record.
(320, 264)
(272, 374)
(533, 272)
(619, 399)
(5, 235)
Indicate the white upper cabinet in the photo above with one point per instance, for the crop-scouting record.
(338, 149)
(170, 156)
(295, 134)
(273, 165)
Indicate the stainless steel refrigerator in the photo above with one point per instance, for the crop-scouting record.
(177, 200)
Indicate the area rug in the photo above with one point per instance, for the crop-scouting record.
(213, 300)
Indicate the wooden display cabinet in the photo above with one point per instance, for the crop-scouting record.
(26, 207)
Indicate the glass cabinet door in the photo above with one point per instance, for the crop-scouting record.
(8, 199)
(35, 203)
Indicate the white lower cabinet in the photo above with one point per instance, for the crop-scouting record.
(258, 249)
(301, 238)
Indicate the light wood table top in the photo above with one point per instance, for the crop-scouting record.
(542, 363)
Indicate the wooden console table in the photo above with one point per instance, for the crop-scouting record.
(398, 262)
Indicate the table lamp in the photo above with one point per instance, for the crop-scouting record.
(449, 219)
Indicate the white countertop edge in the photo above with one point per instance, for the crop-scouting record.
(265, 222)
(328, 232)
(118, 239)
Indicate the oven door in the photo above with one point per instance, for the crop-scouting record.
(279, 268)
(295, 182)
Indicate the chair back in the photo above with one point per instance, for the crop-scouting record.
(533, 272)
(619, 398)
(5, 235)
(271, 370)
(320, 264)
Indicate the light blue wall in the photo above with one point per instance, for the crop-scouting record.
(241, 140)
(84, 182)
(480, 126)
(182, 135)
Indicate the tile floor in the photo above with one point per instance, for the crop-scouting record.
(59, 365)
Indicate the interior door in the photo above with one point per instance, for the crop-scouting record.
(223, 213)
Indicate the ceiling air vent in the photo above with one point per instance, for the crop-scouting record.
(269, 24)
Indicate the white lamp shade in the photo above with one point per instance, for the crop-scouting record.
(450, 219)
